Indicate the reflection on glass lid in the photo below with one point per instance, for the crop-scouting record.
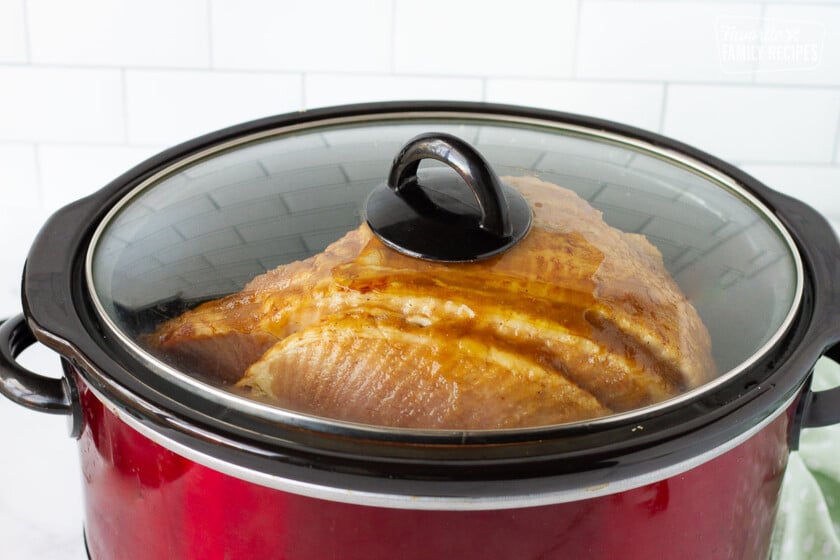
(248, 270)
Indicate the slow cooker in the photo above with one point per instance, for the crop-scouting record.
(177, 465)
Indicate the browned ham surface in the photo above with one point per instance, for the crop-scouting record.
(579, 320)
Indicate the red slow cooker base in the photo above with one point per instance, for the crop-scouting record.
(144, 502)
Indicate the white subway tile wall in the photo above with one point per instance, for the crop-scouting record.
(532, 38)
(12, 31)
(817, 185)
(818, 23)
(91, 87)
(639, 104)
(167, 107)
(130, 33)
(71, 105)
(19, 178)
(302, 35)
(68, 172)
(656, 40)
(334, 89)
(746, 123)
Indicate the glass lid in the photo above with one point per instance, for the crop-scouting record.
(271, 273)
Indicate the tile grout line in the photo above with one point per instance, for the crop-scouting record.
(393, 57)
(39, 181)
(761, 15)
(303, 101)
(26, 32)
(799, 164)
(210, 61)
(576, 46)
(124, 88)
(804, 3)
(664, 107)
(835, 157)
(81, 144)
(531, 77)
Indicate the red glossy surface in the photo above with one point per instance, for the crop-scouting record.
(144, 502)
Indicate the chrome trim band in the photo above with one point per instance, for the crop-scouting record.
(448, 503)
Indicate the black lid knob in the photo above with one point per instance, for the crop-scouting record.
(434, 217)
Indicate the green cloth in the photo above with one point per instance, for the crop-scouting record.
(808, 522)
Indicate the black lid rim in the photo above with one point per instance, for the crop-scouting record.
(305, 421)
(76, 330)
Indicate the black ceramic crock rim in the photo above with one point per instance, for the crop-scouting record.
(58, 310)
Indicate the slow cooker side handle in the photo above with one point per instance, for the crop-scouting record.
(823, 407)
(29, 389)
(819, 247)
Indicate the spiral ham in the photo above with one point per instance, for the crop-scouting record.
(579, 320)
